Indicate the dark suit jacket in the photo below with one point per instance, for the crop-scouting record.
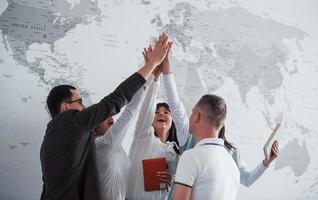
(68, 149)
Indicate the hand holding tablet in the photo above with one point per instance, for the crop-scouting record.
(272, 153)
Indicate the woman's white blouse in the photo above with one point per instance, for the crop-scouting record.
(146, 145)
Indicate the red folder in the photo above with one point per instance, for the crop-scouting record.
(150, 168)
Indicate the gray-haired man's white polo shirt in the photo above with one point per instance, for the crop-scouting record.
(209, 170)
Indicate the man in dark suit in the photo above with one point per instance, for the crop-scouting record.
(68, 149)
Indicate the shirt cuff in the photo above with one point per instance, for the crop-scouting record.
(150, 79)
(262, 167)
(183, 182)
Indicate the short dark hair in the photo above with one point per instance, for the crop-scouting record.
(172, 137)
(56, 96)
(214, 107)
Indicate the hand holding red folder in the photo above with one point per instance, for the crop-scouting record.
(165, 177)
(151, 167)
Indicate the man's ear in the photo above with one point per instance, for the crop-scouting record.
(197, 117)
(63, 107)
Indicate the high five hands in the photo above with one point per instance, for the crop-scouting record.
(148, 54)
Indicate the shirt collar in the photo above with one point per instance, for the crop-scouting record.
(217, 141)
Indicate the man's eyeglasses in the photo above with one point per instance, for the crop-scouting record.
(80, 101)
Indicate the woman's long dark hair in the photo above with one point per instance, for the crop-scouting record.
(172, 137)
(226, 143)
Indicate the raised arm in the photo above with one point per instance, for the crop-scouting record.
(177, 109)
(248, 177)
(147, 111)
(92, 116)
(116, 133)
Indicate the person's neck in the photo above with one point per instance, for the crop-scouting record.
(205, 133)
(163, 134)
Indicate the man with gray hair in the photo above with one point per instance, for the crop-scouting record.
(207, 171)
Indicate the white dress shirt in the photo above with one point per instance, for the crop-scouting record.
(146, 145)
(112, 161)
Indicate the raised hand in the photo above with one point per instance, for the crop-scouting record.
(145, 53)
(158, 69)
(274, 154)
(154, 56)
(159, 52)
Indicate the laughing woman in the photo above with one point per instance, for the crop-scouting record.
(157, 134)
